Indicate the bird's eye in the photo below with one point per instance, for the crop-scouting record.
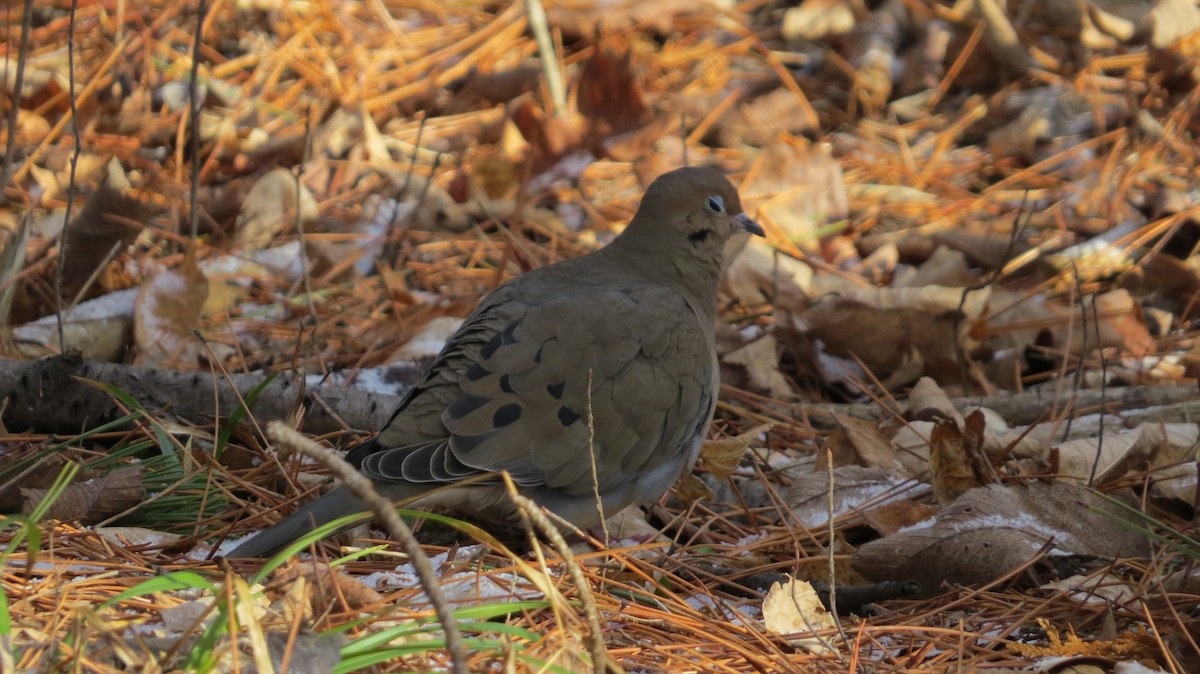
(716, 204)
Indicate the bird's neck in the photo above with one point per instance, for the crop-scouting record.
(693, 274)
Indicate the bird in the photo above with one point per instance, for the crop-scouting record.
(592, 381)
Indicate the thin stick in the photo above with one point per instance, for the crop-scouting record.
(10, 147)
(76, 151)
(541, 34)
(194, 108)
(384, 510)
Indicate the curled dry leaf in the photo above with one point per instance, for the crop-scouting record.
(1121, 451)
(757, 367)
(167, 311)
(897, 345)
(858, 442)
(793, 608)
(721, 456)
(928, 402)
(607, 92)
(270, 208)
(100, 328)
(957, 460)
(991, 530)
(95, 499)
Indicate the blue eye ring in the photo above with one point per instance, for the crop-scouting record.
(716, 204)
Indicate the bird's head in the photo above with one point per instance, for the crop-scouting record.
(692, 212)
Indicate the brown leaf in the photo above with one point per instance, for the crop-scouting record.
(270, 208)
(111, 220)
(608, 93)
(991, 530)
(855, 488)
(951, 472)
(92, 500)
(330, 587)
(798, 188)
(889, 518)
(721, 456)
(167, 310)
(858, 442)
(757, 363)
(550, 136)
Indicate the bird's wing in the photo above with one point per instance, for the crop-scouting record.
(511, 392)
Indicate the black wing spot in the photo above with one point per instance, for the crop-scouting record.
(702, 235)
(476, 372)
(490, 348)
(505, 384)
(465, 405)
(567, 416)
(510, 333)
(556, 390)
(506, 415)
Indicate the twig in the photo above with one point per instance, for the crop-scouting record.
(10, 147)
(383, 509)
(532, 516)
(541, 35)
(194, 107)
(76, 151)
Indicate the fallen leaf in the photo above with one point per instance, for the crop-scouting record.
(92, 500)
(858, 442)
(991, 530)
(793, 608)
(270, 208)
(166, 313)
(721, 456)
(855, 489)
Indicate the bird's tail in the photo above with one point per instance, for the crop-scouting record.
(339, 502)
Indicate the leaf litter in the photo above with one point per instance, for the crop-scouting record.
(986, 206)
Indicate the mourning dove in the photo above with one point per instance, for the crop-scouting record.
(620, 340)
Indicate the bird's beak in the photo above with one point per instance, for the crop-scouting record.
(745, 222)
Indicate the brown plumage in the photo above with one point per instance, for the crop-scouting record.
(509, 392)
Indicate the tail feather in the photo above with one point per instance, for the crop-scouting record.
(339, 502)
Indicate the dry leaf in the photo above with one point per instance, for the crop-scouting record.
(817, 19)
(270, 208)
(329, 587)
(758, 363)
(889, 518)
(928, 402)
(858, 442)
(794, 608)
(111, 220)
(607, 92)
(798, 189)
(949, 466)
(721, 456)
(1121, 451)
(994, 529)
(167, 312)
(95, 499)
(855, 489)
(1173, 20)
